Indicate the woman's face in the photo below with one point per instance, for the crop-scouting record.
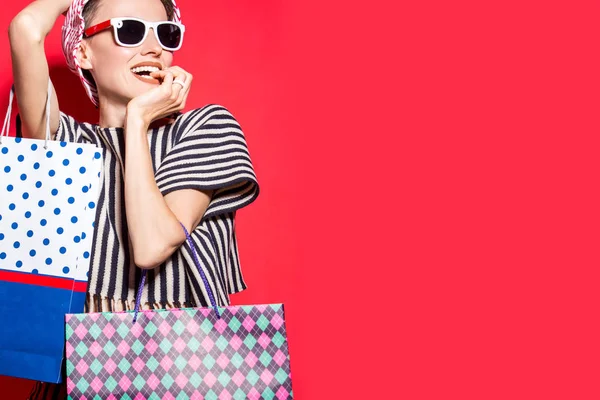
(111, 64)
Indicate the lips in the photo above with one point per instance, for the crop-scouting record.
(147, 79)
(143, 70)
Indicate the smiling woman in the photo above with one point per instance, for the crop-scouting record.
(114, 41)
(161, 167)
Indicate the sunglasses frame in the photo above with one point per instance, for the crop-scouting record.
(117, 23)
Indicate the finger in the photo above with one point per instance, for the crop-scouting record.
(181, 82)
(185, 79)
(178, 86)
(167, 82)
(185, 90)
(160, 75)
(177, 71)
(182, 98)
(178, 74)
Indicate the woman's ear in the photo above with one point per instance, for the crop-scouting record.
(84, 56)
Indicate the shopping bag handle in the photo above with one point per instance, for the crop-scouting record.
(211, 295)
(6, 125)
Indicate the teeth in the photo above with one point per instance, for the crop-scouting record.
(145, 68)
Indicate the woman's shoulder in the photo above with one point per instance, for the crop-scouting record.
(209, 113)
(71, 129)
(73, 122)
(212, 122)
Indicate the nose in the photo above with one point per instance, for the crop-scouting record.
(151, 45)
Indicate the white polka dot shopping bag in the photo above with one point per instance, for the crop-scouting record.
(48, 195)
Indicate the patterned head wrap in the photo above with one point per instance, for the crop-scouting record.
(72, 34)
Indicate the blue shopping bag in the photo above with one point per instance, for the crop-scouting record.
(48, 192)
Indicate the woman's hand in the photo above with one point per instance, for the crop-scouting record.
(169, 97)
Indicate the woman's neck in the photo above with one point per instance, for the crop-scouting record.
(112, 115)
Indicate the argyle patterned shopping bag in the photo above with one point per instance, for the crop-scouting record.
(234, 352)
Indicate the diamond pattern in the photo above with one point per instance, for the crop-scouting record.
(193, 344)
(111, 383)
(179, 327)
(81, 349)
(139, 382)
(95, 331)
(250, 342)
(137, 347)
(235, 324)
(152, 364)
(268, 394)
(83, 384)
(181, 363)
(70, 367)
(124, 365)
(109, 348)
(180, 354)
(96, 366)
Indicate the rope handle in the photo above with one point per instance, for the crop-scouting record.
(211, 295)
(7, 117)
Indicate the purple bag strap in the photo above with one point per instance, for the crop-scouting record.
(138, 298)
(211, 295)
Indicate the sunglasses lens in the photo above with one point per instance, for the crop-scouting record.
(169, 35)
(131, 32)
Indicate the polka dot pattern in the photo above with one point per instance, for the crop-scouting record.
(48, 206)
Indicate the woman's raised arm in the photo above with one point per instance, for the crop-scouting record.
(27, 32)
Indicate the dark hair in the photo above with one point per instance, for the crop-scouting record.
(91, 7)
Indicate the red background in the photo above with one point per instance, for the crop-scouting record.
(429, 171)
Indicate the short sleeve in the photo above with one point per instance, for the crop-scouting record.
(210, 153)
(68, 129)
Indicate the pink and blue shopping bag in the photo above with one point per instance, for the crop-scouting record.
(235, 352)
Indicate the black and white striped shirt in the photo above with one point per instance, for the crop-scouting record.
(202, 149)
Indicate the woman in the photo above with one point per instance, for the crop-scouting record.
(160, 167)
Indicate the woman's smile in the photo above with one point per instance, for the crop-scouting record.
(143, 71)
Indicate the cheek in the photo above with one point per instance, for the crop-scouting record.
(111, 59)
(107, 52)
(167, 59)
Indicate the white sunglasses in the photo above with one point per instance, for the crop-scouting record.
(131, 32)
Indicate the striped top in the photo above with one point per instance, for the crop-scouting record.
(202, 149)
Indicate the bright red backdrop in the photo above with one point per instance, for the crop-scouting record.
(430, 205)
